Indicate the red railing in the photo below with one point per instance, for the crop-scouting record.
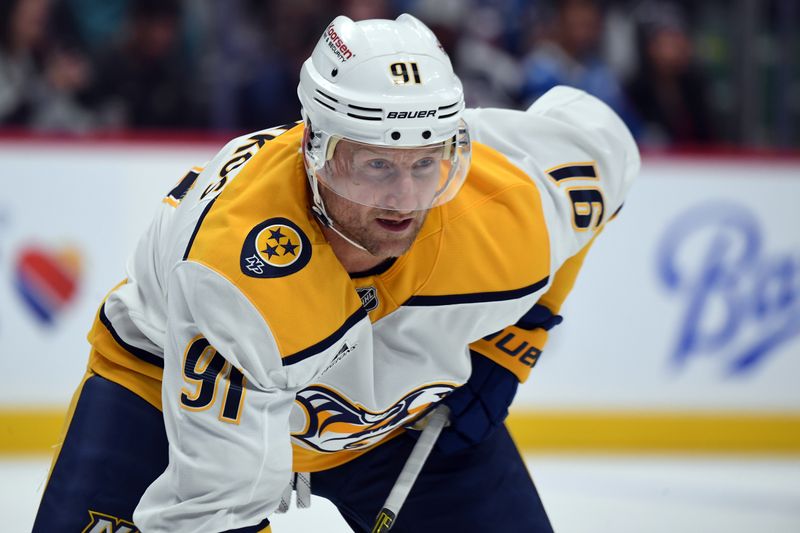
(217, 139)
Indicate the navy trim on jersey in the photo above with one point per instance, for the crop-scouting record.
(476, 297)
(575, 171)
(144, 355)
(378, 269)
(197, 227)
(328, 341)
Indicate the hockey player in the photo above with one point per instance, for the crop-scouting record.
(317, 288)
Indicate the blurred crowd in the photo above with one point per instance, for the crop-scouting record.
(669, 67)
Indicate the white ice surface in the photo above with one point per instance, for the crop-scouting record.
(583, 494)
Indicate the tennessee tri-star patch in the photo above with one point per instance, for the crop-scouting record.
(276, 247)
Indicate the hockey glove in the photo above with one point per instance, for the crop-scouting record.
(478, 407)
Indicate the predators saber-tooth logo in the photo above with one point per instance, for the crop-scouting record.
(334, 423)
(103, 523)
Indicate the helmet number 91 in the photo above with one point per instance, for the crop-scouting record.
(401, 75)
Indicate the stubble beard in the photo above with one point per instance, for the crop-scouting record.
(357, 222)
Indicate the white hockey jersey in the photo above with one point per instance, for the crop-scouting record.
(237, 319)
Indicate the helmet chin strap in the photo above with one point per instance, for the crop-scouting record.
(318, 208)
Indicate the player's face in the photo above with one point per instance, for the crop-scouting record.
(384, 233)
(404, 180)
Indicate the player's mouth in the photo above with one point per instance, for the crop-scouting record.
(395, 225)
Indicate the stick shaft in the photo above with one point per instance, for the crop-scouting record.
(412, 468)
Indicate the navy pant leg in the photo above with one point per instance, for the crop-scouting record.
(486, 487)
(114, 448)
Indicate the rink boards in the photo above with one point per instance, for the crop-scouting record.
(682, 334)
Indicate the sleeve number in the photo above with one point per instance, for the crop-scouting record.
(588, 206)
(401, 75)
(186, 183)
(203, 368)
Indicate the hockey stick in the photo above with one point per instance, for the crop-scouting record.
(411, 469)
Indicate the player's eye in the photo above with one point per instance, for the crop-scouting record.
(423, 163)
(378, 164)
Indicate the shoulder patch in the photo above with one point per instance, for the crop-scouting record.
(275, 248)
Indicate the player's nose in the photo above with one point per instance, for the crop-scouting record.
(404, 193)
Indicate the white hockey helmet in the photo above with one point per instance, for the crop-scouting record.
(385, 85)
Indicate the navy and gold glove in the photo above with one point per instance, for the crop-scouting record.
(478, 407)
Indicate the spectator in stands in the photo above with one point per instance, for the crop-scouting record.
(668, 92)
(490, 74)
(272, 41)
(366, 9)
(95, 23)
(145, 81)
(41, 79)
(568, 54)
(21, 43)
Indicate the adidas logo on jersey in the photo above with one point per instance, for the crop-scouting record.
(343, 351)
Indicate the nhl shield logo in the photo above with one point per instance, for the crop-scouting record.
(369, 298)
(277, 247)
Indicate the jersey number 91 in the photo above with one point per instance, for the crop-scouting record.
(203, 368)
